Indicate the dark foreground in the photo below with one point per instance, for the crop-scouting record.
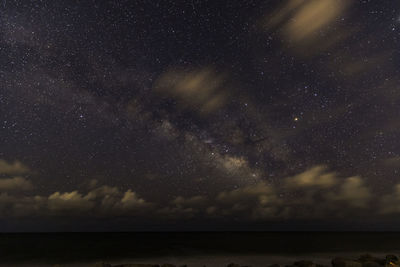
(198, 249)
(365, 260)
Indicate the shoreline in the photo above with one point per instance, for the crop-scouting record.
(345, 259)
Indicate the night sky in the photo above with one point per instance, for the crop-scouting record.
(199, 115)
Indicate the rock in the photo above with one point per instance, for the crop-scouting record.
(101, 264)
(304, 263)
(233, 265)
(342, 262)
(367, 258)
(391, 258)
(393, 264)
(371, 264)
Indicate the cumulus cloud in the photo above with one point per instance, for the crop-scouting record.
(15, 183)
(249, 193)
(321, 194)
(259, 200)
(98, 201)
(101, 201)
(314, 177)
(312, 194)
(390, 203)
(350, 190)
(7, 203)
(354, 192)
(20, 206)
(102, 191)
(12, 168)
(69, 202)
(131, 200)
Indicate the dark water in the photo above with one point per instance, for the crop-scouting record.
(194, 249)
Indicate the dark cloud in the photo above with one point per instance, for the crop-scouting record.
(12, 168)
(15, 183)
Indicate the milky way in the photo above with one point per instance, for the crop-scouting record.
(157, 115)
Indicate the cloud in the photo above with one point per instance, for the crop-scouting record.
(13, 168)
(7, 204)
(102, 191)
(354, 192)
(263, 202)
(314, 177)
(364, 64)
(249, 193)
(390, 203)
(321, 194)
(312, 194)
(312, 17)
(104, 201)
(130, 201)
(98, 200)
(15, 183)
(69, 202)
(21, 206)
(392, 161)
(195, 201)
(181, 207)
(259, 200)
(301, 22)
(200, 89)
(101, 201)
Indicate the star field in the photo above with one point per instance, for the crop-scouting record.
(169, 114)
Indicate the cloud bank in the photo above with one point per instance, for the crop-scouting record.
(316, 193)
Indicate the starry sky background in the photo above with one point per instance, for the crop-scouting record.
(199, 115)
